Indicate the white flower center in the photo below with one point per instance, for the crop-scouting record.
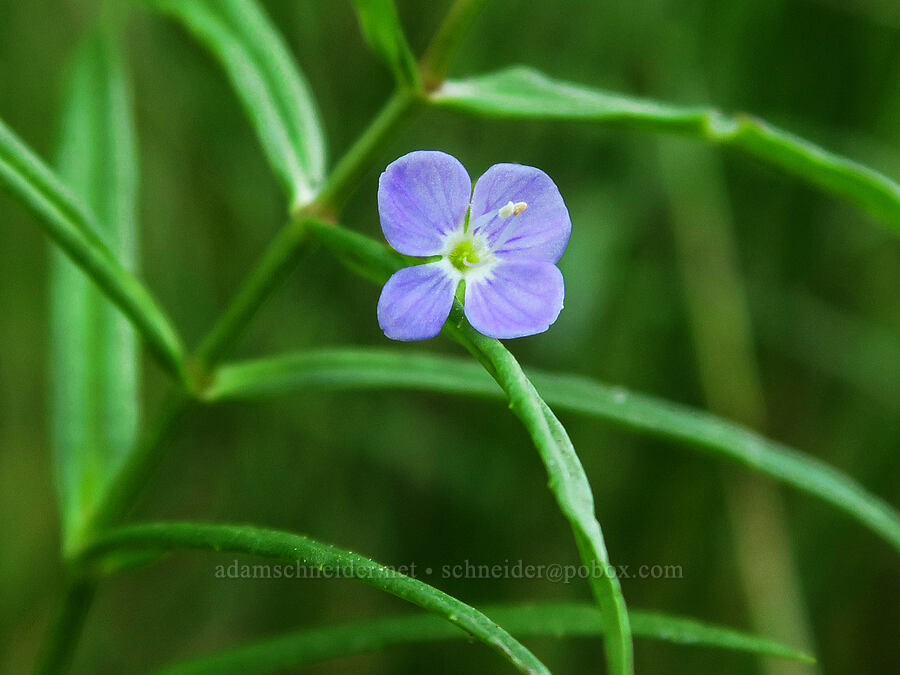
(468, 254)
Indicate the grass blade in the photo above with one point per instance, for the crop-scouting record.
(94, 365)
(271, 88)
(525, 93)
(68, 224)
(382, 30)
(406, 369)
(294, 547)
(314, 645)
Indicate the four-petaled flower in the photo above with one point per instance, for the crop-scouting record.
(503, 239)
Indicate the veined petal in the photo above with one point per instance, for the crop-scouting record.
(516, 298)
(422, 197)
(540, 232)
(416, 301)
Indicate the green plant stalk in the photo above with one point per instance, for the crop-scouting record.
(446, 42)
(132, 475)
(359, 158)
(59, 647)
(273, 267)
(192, 373)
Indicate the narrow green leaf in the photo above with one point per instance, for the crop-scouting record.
(314, 645)
(94, 365)
(65, 221)
(568, 481)
(522, 92)
(272, 90)
(382, 30)
(406, 369)
(294, 547)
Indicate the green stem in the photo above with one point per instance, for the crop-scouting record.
(66, 628)
(133, 475)
(446, 42)
(275, 264)
(359, 158)
(273, 267)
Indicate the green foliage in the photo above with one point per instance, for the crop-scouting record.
(67, 222)
(101, 462)
(293, 547)
(381, 28)
(94, 356)
(525, 93)
(395, 369)
(272, 90)
(313, 645)
(567, 480)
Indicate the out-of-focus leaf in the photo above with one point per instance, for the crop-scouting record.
(271, 88)
(70, 226)
(328, 559)
(525, 93)
(381, 369)
(313, 645)
(94, 365)
(382, 30)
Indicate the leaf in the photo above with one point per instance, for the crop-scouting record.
(407, 369)
(525, 93)
(568, 481)
(294, 547)
(68, 224)
(382, 30)
(272, 90)
(94, 364)
(314, 645)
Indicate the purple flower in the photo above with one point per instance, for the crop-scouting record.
(503, 239)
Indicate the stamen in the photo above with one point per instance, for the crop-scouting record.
(512, 209)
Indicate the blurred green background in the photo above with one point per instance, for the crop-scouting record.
(669, 239)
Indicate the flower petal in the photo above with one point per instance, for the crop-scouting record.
(516, 298)
(540, 232)
(422, 197)
(416, 301)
